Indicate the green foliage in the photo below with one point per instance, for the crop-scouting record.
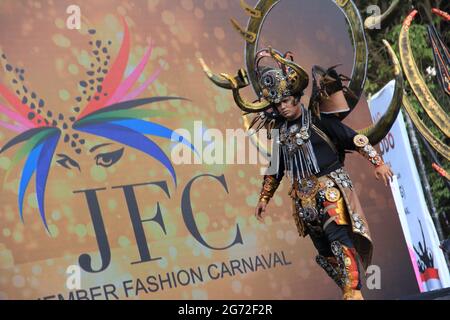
(380, 71)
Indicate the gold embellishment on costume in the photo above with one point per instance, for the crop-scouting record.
(249, 10)
(248, 36)
(371, 154)
(270, 185)
(347, 270)
(252, 35)
(233, 82)
(309, 203)
(341, 3)
(350, 294)
(336, 206)
(332, 194)
(283, 86)
(360, 140)
(241, 78)
(342, 212)
(307, 188)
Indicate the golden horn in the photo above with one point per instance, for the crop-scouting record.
(241, 78)
(418, 85)
(379, 130)
(240, 101)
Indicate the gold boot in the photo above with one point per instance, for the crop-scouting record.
(350, 294)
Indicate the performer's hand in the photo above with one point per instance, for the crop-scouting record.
(260, 210)
(384, 171)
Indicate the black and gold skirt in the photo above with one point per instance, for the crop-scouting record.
(316, 202)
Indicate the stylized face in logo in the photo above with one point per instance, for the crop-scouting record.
(103, 159)
(106, 108)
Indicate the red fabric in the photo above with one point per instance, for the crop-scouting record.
(352, 268)
(331, 212)
(429, 273)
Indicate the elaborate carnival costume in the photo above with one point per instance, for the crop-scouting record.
(311, 153)
(312, 147)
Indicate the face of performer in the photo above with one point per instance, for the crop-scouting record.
(289, 108)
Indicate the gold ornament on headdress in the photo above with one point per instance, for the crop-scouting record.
(299, 77)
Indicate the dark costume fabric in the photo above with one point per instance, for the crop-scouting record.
(330, 140)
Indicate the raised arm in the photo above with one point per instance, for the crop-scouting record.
(382, 170)
(349, 139)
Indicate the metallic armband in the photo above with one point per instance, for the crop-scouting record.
(269, 186)
(367, 150)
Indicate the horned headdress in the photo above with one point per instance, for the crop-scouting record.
(290, 78)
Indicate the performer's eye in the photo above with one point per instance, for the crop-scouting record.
(67, 162)
(107, 159)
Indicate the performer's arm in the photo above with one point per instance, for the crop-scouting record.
(271, 182)
(346, 136)
(363, 146)
(269, 186)
(349, 139)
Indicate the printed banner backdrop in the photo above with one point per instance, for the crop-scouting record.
(421, 235)
(140, 226)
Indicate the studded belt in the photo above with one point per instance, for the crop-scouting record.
(340, 177)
